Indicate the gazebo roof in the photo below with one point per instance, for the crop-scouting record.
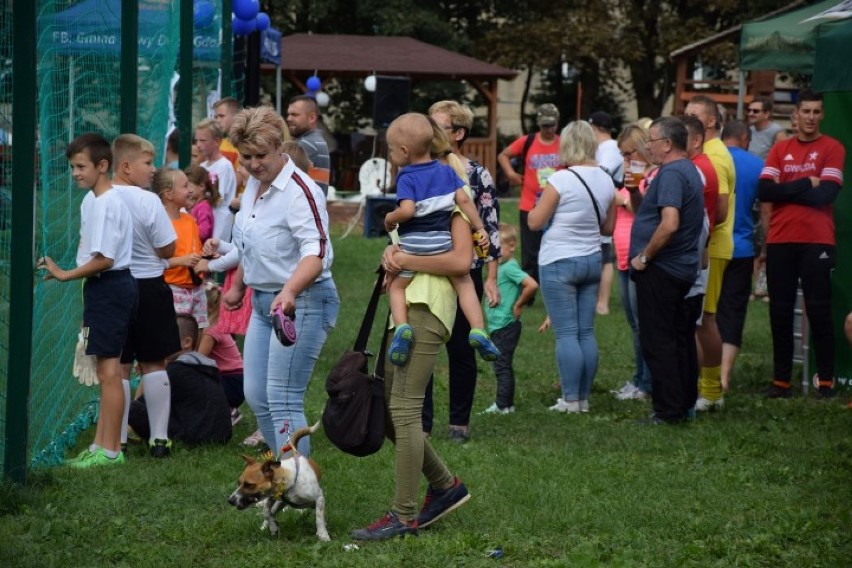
(354, 55)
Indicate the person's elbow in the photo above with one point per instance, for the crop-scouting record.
(167, 251)
(535, 220)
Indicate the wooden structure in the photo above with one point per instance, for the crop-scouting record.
(332, 56)
(725, 92)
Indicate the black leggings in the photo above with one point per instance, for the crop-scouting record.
(786, 263)
(530, 244)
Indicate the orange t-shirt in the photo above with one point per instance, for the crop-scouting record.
(188, 242)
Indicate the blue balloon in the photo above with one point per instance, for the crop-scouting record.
(262, 21)
(246, 9)
(203, 14)
(242, 27)
(313, 83)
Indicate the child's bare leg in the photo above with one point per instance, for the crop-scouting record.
(471, 308)
(403, 335)
(396, 299)
(469, 301)
(112, 403)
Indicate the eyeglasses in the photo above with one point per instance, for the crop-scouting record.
(547, 125)
(754, 111)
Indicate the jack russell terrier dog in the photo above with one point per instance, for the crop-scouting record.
(293, 482)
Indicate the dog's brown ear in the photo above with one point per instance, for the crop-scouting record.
(247, 459)
(268, 466)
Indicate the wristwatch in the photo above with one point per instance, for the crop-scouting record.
(643, 259)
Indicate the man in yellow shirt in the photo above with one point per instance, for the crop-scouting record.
(720, 250)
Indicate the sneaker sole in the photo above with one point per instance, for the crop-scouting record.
(447, 511)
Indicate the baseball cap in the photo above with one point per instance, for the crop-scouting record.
(601, 119)
(547, 115)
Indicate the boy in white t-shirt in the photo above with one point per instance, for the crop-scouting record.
(154, 332)
(109, 292)
(208, 137)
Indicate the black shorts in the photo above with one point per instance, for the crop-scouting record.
(109, 305)
(733, 301)
(154, 332)
(606, 253)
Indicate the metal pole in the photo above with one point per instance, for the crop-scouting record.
(278, 88)
(129, 71)
(741, 91)
(227, 62)
(184, 110)
(18, 366)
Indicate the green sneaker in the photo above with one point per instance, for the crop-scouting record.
(99, 458)
(79, 457)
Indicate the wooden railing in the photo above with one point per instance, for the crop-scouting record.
(484, 151)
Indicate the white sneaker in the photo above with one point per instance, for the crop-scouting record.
(705, 404)
(584, 406)
(566, 406)
(636, 394)
(254, 439)
(494, 409)
(628, 392)
(625, 388)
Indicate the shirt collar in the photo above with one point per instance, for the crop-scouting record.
(283, 178)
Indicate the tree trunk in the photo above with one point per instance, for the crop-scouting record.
(525, 95)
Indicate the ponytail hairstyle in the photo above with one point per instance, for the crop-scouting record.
(208, 180)
(442, 151)
(214, 298)
(164, 180)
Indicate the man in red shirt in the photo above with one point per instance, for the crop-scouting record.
(798, 185)
(540, 154)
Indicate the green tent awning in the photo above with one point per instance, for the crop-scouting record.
(787, 42)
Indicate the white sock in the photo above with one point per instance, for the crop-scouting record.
(126, 384)
(111, 454)
(94, 448)
(158, 399)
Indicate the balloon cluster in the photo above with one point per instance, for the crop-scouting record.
(248, 18)
(314, 84)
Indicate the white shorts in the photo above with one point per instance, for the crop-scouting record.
(191, 302)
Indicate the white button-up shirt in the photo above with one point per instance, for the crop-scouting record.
(275, 231)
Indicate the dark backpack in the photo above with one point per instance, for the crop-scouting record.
(354, 415)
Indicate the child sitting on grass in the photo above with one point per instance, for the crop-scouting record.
(199, 409)
(427, 193)
(517, 288)
(221, 347)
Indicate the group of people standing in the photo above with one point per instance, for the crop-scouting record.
(668, 206)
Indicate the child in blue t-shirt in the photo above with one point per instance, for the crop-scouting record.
(517, 288)
(427, 193)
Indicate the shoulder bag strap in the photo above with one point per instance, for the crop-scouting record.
(370, 314)
(591, 196)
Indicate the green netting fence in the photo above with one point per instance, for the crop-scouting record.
(78, 75)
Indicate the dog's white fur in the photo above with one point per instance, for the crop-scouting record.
(262, 484)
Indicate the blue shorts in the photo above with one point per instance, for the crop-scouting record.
(109, 305)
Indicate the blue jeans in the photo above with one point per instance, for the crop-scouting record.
(642, 377)
(276, 377)
(569, 287)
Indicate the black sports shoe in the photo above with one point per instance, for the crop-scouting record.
(824, 389)
(440, 502)
(385, 528)
(779, 389)
(161, 448)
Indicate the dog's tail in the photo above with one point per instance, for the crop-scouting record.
(301, 433)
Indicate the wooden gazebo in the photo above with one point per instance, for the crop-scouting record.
(359, 56)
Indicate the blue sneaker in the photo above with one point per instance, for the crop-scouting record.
(400, 346)
(441, 502)
(479, 340)
(385, 528)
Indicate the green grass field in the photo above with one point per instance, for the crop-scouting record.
(764, 483)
